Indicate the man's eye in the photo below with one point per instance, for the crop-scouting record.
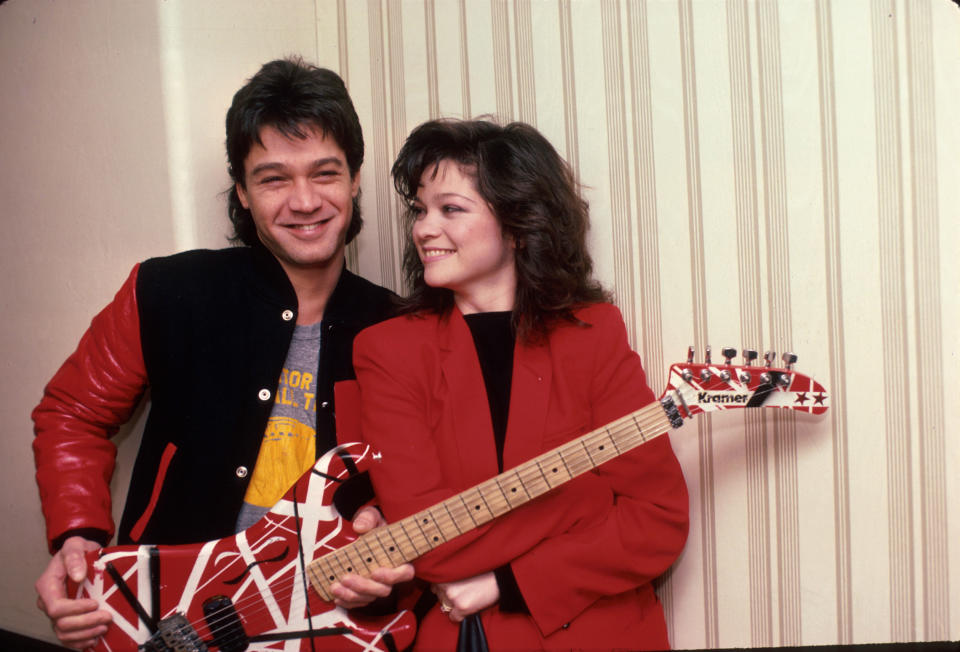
(268, 180)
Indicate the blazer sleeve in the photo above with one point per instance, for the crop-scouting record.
(396, 390)
(644, 532)
(92, 394)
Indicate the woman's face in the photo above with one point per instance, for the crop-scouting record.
(460, 242)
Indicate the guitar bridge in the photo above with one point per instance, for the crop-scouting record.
(174, 634)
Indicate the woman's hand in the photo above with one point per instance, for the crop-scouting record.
(465, 597)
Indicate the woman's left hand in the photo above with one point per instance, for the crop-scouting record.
(464, 597)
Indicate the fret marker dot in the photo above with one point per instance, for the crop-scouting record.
(554, 469)
(601, 447)
(369, 559)
(392, 548)
(333, 577)
(436, 538)
(349, 570)
(477, 508)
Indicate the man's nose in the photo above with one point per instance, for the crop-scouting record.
(304, 197)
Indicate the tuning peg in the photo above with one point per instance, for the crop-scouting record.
(788, 360)
(770, 356)
(706, 355)
(729, 353)
(690, 352)
(749, 355)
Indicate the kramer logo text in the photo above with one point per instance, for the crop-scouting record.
(722, 397)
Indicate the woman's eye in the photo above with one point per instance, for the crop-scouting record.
(451, 208)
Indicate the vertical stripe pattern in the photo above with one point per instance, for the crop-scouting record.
(886, 78)
(927, 293)
(834, 307)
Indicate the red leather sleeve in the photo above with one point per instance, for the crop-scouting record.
(88, 399)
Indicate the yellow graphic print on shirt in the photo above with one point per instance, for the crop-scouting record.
(289, 445)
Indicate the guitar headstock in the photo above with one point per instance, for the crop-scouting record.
(711, 387)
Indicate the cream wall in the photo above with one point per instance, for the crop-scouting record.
(770, 174)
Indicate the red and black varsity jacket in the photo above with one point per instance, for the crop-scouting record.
(206, 332)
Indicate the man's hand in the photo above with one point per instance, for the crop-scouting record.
(352, 591)
(77, 623)
(465, 597)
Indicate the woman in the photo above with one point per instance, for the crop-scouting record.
(508, 348)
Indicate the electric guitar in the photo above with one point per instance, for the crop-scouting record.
(268, 587)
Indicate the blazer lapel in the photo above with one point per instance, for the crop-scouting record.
(467, 400)
(530, 397)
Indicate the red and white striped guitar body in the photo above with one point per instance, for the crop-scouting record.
(266, 602)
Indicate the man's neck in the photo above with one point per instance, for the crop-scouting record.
(313, 287)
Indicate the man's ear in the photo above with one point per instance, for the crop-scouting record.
(242, 195)
(355, 184)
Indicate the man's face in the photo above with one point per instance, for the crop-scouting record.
(300, 194)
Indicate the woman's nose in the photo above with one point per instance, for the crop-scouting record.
(426, 226)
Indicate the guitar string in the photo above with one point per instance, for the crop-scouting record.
(627, 431)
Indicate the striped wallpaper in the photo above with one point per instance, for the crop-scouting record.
(761, 174)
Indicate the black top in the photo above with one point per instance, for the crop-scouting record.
(494, 337)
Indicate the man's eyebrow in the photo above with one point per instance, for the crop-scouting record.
(278, 166)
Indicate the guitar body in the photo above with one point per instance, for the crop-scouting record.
(245, 592)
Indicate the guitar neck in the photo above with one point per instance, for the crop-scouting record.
(417, 534)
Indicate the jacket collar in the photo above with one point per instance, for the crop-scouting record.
(272, 282)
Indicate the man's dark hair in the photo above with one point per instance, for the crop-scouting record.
(293, 97)
(535, 197)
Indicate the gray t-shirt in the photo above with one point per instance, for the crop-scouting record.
(289, 441)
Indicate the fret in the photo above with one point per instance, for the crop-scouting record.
(613, 442)
(370, 557)
(488, 492)
(586, 450)
(395, 546)
(469, 511)
(384, 552)
(352, 562)
(453, 519)
(513, 496)
(325, 569)
(403, 528)
(484, 517)
(523, 485)
(424, 519)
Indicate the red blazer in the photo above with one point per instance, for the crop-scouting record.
(583, 555)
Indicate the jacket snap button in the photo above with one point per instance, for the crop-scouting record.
(241, 471)
(264, 394)
(325, 405)
(287, 315)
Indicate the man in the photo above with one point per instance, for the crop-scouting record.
(219, 338)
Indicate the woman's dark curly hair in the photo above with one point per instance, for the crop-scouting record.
(532, 192)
